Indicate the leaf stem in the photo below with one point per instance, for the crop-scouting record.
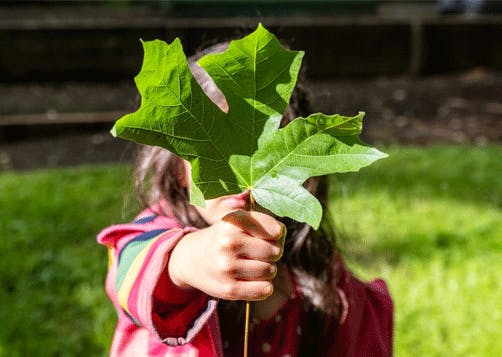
(251, 202)
(246, 328)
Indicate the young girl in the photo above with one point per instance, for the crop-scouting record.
(178, 273)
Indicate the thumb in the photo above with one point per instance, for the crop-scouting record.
(256, 224)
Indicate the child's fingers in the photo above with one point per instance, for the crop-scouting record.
(256, 224)
(247, 269)
(259, 249)
(235, 243)
(247, 290)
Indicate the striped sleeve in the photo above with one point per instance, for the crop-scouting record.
(138, 259)
(140, 287)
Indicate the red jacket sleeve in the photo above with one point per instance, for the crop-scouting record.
(366, 322)
(139, 285)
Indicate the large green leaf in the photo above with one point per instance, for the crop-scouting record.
(256, 75)
(243, 149)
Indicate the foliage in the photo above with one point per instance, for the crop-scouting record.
(427, 220)
(244, 148)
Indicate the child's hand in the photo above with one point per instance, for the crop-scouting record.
(234, 259)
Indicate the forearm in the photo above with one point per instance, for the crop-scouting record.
(139, 284)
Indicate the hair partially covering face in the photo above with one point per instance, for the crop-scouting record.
(308, 253)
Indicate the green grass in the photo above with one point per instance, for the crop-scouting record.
(52, 270)
(426, 219)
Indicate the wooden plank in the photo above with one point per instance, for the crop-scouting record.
(148, 22)
(101, 47)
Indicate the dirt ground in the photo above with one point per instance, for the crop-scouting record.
(463, 108)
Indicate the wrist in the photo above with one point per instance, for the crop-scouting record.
(175, 269)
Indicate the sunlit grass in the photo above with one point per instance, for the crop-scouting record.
(425, 219)
(428, 221)
(52, 271)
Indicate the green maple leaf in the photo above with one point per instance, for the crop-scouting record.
(243, 149)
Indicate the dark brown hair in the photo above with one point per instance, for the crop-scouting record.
(308, 253)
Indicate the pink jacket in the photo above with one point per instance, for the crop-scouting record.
(155, 318)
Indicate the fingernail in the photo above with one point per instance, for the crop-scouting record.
(284, 232)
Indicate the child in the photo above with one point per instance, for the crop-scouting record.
(178, 272)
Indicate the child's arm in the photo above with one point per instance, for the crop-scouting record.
(212, 262)
(139, 286)
(234, 259)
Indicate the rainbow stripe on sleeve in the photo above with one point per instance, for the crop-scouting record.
(131, 260)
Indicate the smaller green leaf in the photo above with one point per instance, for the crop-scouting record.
(317, 145)
(284, 197)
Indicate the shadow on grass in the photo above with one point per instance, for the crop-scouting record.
(393, 252)
(463, 173)
(421, 202)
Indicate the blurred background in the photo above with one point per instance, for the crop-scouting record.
(428, 74)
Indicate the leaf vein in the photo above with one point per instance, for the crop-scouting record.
(273, 79)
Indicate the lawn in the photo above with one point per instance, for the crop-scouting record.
(429, 222)
(425, 219)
